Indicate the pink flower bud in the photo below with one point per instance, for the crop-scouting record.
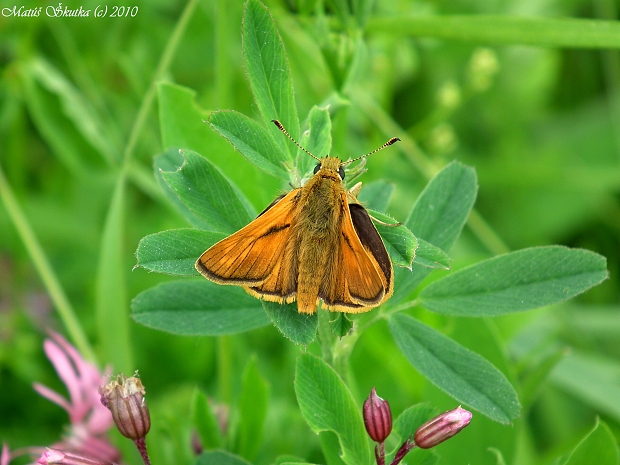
(377, 417)
(61, 457)
(442, 427)
(125, 399)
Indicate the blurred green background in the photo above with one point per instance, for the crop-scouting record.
(541, 125)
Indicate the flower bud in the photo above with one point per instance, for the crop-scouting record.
(377, 417)
(125, 399)
(442, 427)
(61, 457)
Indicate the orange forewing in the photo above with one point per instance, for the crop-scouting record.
(250, 256)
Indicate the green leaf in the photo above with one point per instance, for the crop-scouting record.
(219, 457)
(438, 217)
(593, 379)
(376, 195)
(252, 408)
(599, 447)
(443, 206)
(317, 140)
(198, 308)
(58, 131)
(111, 293)
(341, 325)
(327, 405)
(208, 194)
(500, 460)
(463, 374)
(181, 120)
(399, 241)
(205, 422)
(294, 463)
(341, 8)
(290, 460)
(268, 71)
(534, 379)
(252, 140)
(175, 251)
(330, 446)
(300, 328)
(170, 161)
(362, 10)
(183, 126)
(406, 424)
(480, 336)
(554, 32)
(430, 256)
(517, 281)
(76, 107)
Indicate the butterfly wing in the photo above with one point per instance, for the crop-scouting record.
(373, 244)
(359, 276)
(253, 254)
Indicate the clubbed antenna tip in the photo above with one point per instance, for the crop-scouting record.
(281, 128)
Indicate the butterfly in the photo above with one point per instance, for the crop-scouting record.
(315, 243)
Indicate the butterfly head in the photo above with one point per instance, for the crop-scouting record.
(331, 164)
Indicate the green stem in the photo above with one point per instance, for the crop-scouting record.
(342, 350)
(223, 66)
(224, 369)
(343, 347)
(326, 338)
(41, 263)
(481, 229)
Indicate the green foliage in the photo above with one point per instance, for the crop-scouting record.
(174, 251)
(252, 408)
(205, 422)
(340, 325)
(599, 446)
(327, 405)
(219, 457)
(89, 168)
(438, 217)
(206, 192)
(299, 328)
(464, 375)
(517, 281)
(197, 308)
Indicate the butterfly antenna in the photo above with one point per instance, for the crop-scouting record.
(281, 128)
(393, 140)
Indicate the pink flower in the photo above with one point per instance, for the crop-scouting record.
(59, 457)
(5, 456)
(90, 420)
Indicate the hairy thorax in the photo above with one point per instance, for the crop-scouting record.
(322, 214)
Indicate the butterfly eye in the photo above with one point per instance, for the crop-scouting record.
(341, 172)
(317, 168)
